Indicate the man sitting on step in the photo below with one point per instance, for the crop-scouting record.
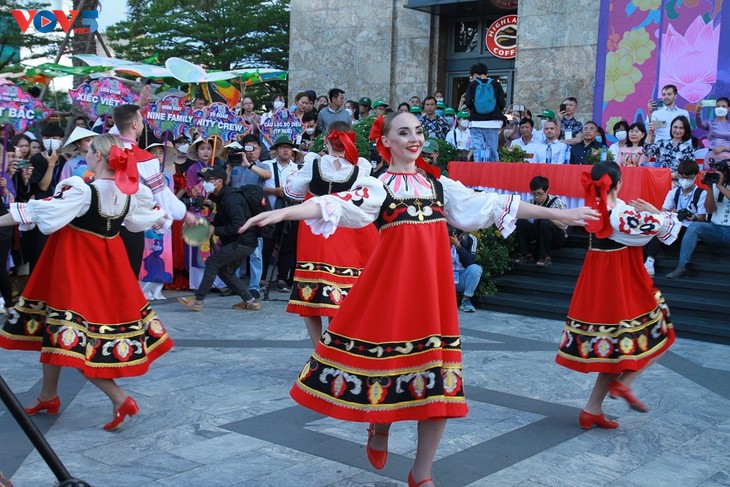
(467, 272)
(716, 232)
(547, 234)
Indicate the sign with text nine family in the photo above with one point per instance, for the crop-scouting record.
(20, 110)
(170, 114)
(218, 119)
(99, 97)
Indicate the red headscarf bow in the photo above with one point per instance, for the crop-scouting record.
(596, 193)
(377, 131)
(124, 164)
(347, 139)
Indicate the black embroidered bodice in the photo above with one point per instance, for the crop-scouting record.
(96, 222)
(320, 186)
(416, 209)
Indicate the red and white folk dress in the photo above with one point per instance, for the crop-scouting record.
(327, 268)
(393, 350)
(617, 320)
(82, 307)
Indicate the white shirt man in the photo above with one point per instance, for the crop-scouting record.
(553, 151)
(662, 118)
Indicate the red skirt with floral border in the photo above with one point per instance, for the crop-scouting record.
(83, 308)
(617, 320)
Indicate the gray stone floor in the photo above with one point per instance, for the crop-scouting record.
(216, 412)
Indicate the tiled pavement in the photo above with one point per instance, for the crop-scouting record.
(216, 412)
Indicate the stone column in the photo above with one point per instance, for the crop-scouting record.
(556, 54)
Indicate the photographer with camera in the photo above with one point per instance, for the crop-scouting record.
(244, 168)
(231, 213)
(467, 272)
(687, 200)
(281, 247)
(716, 232)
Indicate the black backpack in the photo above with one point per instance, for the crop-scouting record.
(257, 202)
(695, 198)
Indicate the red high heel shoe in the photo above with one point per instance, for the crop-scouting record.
(587, 420)
(617, 389)
(377, 458)
(51, 406)
(413, 483)
(128, 408)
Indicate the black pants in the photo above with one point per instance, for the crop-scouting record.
(134, 243)
(286, 234)
(654, 246)
(224, 263)
(544, 232)
(6, 289)
(33, 242)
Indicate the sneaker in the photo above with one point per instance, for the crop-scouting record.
(282, 287)
(191, 302)
(680, 271)
(544, 262)
(255, 293)
(249, 306)
(466, 306)
(649, 269)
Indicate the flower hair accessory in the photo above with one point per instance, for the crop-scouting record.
(124, 164)
(595, 197)
(347, 139)
(375, 134)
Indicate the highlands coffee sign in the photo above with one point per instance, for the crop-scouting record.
(501, 38)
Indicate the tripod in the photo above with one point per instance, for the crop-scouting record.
(36, 437)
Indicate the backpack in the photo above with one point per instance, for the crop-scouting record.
(485, 100)
(695, 198)
(256, 202)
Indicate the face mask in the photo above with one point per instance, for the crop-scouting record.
(449, 120)
(278, 104)
(720, 111)
(349, 112)
(309, 130)
(599, 139)
(686, 183)
(439, 100)
(51, 144)
(208, 187)
(439, 113)
(464, 124)
(183, 148)
(621, 135)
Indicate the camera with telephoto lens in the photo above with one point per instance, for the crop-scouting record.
(196, 203)
(684, 214)
(712, 176)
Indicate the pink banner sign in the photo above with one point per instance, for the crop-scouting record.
(283, 122)
(218, 119)
(170, 114)
(20, 110)
(99, 97)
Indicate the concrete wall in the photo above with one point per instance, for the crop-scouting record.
(373, 48)
(556, 54)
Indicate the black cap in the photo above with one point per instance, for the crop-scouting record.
(213, 172)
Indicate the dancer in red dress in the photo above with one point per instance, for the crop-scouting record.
(618, 325)
(393, 350)
(327, 268)
(90, 316)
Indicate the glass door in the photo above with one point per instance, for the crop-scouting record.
(457, 83)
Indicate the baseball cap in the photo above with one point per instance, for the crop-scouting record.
(213, 172)
(365, 101)
(430, 146)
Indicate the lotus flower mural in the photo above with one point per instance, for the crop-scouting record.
(689, 61)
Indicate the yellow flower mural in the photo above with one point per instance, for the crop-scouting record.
(611, 122)
(621, 76)
(637, 44)
(645, 5)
